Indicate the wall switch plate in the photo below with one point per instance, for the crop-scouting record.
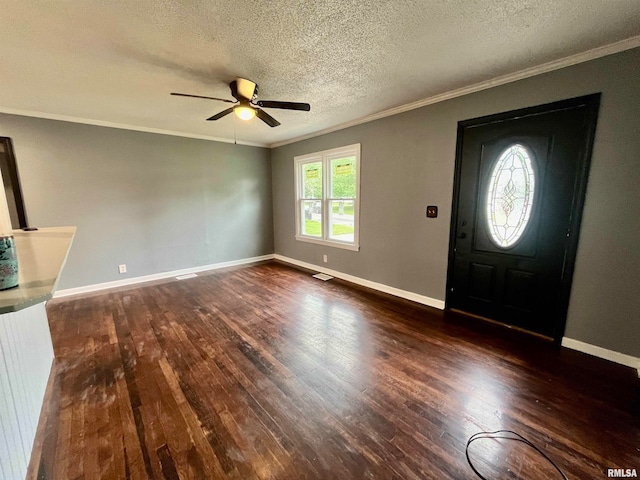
(324, 258)
(122, 268)
(432, 211)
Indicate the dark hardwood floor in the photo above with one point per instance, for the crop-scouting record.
(264, 372)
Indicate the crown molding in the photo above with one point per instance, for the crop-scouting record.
(595, 53)
(123, 126)
(610, 49)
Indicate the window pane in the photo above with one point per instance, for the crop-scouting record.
(510, 196)
(342, 220)
(343, 177)
(312, 180)
(312, 218)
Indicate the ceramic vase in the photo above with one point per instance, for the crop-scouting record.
(8, 263)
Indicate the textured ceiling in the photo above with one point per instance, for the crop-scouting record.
(115, 62)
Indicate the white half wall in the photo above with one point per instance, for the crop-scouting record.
(26, 356)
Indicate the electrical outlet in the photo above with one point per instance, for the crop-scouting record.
(122, 268)
(324, 258)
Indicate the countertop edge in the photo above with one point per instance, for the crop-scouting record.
(9, 302)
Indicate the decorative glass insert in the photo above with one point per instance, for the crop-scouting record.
(510, 196)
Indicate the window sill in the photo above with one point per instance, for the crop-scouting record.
(329, 243)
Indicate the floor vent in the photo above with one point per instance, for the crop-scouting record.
(188, 275)
(322, 276)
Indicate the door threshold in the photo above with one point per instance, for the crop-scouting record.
(495, 322)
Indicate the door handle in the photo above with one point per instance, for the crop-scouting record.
(462, 235)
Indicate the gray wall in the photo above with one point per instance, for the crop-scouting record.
(160, 203)
(153, 202)
(408, 163)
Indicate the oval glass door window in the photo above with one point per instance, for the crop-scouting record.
(510, 196)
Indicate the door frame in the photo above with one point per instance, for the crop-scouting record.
(591, 103)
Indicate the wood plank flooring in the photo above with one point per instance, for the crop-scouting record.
(264, 372)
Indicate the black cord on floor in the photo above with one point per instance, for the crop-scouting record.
(500, 435)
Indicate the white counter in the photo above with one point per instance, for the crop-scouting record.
(26, 351)
(41, 256)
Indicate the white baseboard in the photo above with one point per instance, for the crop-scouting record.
(414, 297)
(158, 276)
(617, 357)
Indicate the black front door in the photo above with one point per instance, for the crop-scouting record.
(519, 190)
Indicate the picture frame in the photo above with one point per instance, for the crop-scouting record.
(11, 182)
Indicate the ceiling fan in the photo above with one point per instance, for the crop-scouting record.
(245, 93)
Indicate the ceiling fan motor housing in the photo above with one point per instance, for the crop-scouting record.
(243, 88)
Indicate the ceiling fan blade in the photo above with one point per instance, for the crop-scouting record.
(266, 118)
(200, 96)
(218, 116)
(284, 105)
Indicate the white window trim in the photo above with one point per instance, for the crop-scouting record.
(325, 157)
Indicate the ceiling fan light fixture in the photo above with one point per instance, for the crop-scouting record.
(244, 112)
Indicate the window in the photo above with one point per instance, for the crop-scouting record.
(327, 197)
(510, 196)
